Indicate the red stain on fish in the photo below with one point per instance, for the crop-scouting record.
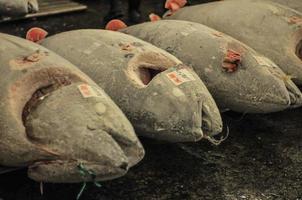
(27, 61)
(126, 47)
(294, 20)
(174, 5)
(231, 61)
(36, 34)
(153, 17)
(115, 25)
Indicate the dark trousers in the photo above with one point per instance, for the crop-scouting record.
(134, 4)
(116, 10)
(116, 5)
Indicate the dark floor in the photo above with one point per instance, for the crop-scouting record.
(262, 159)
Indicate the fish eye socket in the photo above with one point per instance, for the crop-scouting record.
(147, 73)
(145, 66)
(299, 49)
(35, 98)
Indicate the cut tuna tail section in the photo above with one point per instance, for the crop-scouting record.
(115, 25)
(153, 17)
(36, 34)
(174, 5)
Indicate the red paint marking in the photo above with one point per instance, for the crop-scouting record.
(231, 61)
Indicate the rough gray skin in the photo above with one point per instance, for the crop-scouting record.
(270, 28)
(158, 109)
(294, 4)
(257, 86)
(18, 7)
(48, 125)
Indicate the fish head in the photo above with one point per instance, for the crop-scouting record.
(260, 85)
(86, 135)
(174, 103)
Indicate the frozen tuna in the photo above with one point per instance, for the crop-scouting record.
(163, 98)
(18, 7)
(294, 4)
(57, 121)
(270, 28)
(238, 78)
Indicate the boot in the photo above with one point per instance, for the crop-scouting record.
(134, 13)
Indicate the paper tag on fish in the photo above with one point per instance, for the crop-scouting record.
(261, 60)
(180, 76)
(89, 91)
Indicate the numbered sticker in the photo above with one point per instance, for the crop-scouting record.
(89, 91)
(180, 76)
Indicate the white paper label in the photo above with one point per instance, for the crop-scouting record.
(180, 76)
(89, 91)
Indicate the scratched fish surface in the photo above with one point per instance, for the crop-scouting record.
(261, 159)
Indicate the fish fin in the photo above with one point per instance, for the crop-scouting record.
(36, 34)
(115, 25)
(153, 17)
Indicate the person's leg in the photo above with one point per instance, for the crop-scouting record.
(160, 7)
(134, 13)
(115, 11)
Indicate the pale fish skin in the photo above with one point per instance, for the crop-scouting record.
(271, 29)
(160, 108)
(56, 121)
(256, 86)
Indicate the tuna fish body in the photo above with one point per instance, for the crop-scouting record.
(56, 121)
(254, 85)
(270, 28)
(162, 98)
(18, 7)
